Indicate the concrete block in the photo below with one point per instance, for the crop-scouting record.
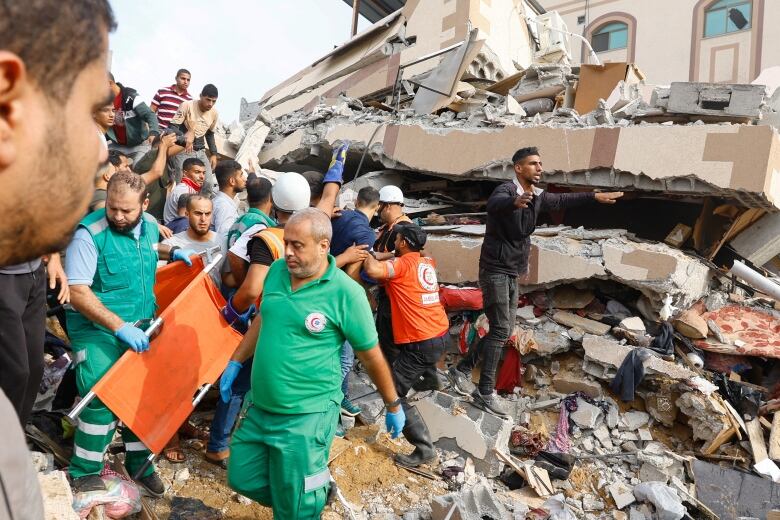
(57, 496)
(621, 494)
(716, 99)
(570, 319)
(473, 434)
(603, 356)
(472, 504)
(604, 437)
(634, 420)
(634, 324)
(586, 415)
(568, 384)
(691, 325)
(761, 241)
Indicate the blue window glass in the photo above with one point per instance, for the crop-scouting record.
(610, 37)
(727, 16)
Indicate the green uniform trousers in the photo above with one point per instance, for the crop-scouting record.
(281, 461)
(96, 424)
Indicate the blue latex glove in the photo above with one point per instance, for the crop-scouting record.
(134, 337)
(226, 381)
(183, 255)
(238, 320)
(394, 422)
(336, 169)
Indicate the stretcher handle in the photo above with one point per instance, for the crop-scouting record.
(73, 414)
(146, 464)
(214, 262)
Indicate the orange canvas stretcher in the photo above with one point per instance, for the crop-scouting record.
(153, 392)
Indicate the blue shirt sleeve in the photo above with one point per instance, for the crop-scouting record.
(81, 259)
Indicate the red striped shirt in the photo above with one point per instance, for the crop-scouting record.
(167, 102)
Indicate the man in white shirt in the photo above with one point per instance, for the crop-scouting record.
(193, 175)
(232, 181)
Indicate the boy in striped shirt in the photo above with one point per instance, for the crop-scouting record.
(167, 100)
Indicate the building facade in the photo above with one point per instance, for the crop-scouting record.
(717, 41)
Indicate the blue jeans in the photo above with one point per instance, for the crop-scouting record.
(347, 360)
(226, 413)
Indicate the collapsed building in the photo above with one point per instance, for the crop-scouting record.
(435, 98)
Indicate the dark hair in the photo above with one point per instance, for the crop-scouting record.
(522, 153)
(182, 71)
(366, 197)
(55, 39)
(194, 197)
(192, 161)
(115, 157)
(258, 191)
(121, 181)
(315, 182)
(183, 201)
(225, 170)
(111, 77)
(209, 90)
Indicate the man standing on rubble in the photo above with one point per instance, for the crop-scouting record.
(419, 326)
(512, 211)
(111, 266)
(279, 453)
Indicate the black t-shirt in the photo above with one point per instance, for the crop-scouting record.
(259, 252)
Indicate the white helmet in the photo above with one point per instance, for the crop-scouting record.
(391, 195)
(291, 192)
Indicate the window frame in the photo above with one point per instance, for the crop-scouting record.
(729, 4)
(600, 31)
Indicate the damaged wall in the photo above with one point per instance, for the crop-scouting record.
(736, 161)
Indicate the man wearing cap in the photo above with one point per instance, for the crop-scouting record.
(419, 326)
(512, 211)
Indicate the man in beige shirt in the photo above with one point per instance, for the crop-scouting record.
(197, 120)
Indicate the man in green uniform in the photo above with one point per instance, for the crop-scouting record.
(112, 262)
(279, 453)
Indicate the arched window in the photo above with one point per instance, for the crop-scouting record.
(610, 36)
(727, 16)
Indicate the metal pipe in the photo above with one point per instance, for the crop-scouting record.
(142, 469)
(433, 55)
(201, 394)
(355, 14)
(211, 265)
(80, 406)
(756, 279)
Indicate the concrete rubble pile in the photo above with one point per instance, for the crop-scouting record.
(438, 110)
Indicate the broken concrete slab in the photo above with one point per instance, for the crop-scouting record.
(572, 320)
(586, 416)
(566, 383)
(760, 242)
(465, 430)
(621, 494)
(633, 420)
(668, 505)
(474, 503)
(57, 496)
(706, 418)
(734, 494)
(691, 325)
(737, 100)
(604, 356)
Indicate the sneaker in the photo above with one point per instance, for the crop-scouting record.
(151, 485)
(460, 382)
(340, 431)
(491, 403)
(88, 483)
(350, 408)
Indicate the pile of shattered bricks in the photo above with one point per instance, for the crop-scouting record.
(641, 372)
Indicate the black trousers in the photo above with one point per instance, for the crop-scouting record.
(414, 360)
(22, 333)
(384, 327)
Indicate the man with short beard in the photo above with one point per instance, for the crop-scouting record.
(111, 266)
(199, 237)
(279, 453)
(232, 181)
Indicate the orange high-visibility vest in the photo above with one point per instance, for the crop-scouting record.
(274, 239)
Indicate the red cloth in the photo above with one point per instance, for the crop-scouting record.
(510, 375)
(460, 298)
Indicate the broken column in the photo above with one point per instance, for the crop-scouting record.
(466, 430)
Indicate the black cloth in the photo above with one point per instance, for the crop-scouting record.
(22, 333)
(630, 374)
(664, 341)
(414, 360)
(199, 143)
(259, 252)
(508, 229)
(384, 327)
(499, 296)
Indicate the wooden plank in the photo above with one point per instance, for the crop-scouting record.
(757, 444)
(774, 438)
(765, 423)
(723, 437)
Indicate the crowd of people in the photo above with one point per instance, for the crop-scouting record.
(143, 185)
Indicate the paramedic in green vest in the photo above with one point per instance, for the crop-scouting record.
(112, 260)
(258, 194)
(279, 453)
